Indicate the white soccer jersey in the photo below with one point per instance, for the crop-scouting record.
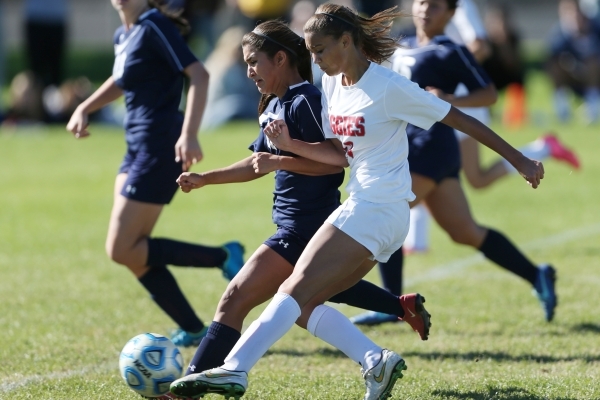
(466, 25)
(370, 119)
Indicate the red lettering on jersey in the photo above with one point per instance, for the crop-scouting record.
(350, 125)
(348, 149)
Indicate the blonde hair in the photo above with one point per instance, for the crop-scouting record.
(371, 35)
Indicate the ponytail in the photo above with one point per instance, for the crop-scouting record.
(273, 36)
(174, 15)
(371, 35)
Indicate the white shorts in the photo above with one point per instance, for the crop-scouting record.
(380, 227)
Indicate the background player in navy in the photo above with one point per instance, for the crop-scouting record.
(439, 65)
(306, 192)
(151, 60)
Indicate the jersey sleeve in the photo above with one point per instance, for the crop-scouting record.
(170, 44)
(327, 85)
(405, 100)
(259, 145)
(306, 118)
(463, 68)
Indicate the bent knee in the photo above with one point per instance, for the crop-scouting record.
(471, 236)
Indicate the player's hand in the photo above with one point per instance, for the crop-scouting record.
(438, 93)
(188, 151)
(263, 163)
(531, 170)
(190, 180)
(78, 124)
(277, 131)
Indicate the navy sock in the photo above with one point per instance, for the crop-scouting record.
(497, 248)
(391, 273)
(163, 289)
(213, 349)
(371, 297)
(172, 252)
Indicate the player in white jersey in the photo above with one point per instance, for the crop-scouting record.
(370, 107)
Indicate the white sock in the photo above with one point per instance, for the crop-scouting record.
(333, 327)
(418, 231)
(279, 316)
(592, 103)
(562, 104)
(537, 150)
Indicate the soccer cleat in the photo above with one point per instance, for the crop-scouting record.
(373, 318)
(217, 380)
(381, 378)
(544, 290)
(558, 151)
(166, 396)
(234, 261)
(415, 314)
(183, 338)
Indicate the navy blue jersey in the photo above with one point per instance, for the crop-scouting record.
(442, 64)
(300, 202)
(149, 60)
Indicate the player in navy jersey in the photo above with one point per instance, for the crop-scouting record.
(439, 65)
(151, 61)
(306, 192)
(368, 108)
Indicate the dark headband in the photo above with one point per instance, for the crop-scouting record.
(276, 42)
(336, 17)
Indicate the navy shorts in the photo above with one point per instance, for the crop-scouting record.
(288, 244)
(151, 178)
(435, 155)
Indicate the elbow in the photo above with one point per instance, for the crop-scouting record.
(492, 94)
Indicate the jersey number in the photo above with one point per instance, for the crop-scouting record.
(348, 149)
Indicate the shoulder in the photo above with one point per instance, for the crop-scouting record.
(157, 22)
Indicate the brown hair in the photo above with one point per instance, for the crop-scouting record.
(273, 36)
(371, 35)
(174, 15)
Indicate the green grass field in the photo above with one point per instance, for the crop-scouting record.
(66, 310)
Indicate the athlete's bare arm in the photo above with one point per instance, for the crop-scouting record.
(105, 94)
(531, 170)
(241, 171)
(328, 152)
(267, 162)
(187, 148)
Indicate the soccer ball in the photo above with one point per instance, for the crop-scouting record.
(149, 363)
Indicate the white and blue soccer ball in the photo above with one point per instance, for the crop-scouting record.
(149, 363)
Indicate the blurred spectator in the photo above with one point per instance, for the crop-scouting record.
(25, 104)
(575, 60)
(504, 65)
(301, 12)
(261, 10)
(45, 33)
(466, 27)
(231, 94)
(370, 7)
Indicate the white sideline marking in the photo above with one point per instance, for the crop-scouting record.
(449, 269)
(436, 273)
(6, 387)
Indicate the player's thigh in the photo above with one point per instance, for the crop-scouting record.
(469, 151)
(130, 220)
(257, 282)
(330, 257)
(449, 207)
(422, 186)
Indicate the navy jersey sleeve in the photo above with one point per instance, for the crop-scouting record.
(466, 70)
(169, 42)
(305, 117)
(260, 144)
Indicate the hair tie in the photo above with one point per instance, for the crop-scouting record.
(276, 42)
(336, 17)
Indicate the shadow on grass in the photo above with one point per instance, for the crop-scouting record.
(586, 328)
(499, 356)
(324, 352)
(510, 393)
